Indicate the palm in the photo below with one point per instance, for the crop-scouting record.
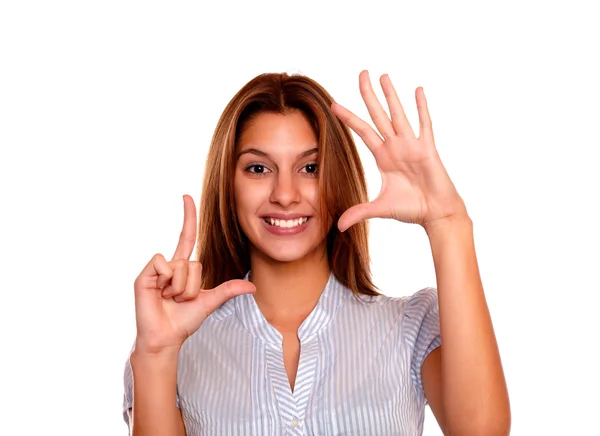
(186, 317)
(395, 186)
(168, 321)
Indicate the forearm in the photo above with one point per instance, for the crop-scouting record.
(474, 391)
(154, 394)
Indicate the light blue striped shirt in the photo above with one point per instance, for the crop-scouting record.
(359, 371)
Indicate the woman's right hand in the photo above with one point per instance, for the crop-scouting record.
(169, 304)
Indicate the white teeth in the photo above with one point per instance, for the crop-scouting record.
(286, 224)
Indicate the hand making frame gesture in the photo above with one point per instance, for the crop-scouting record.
(169, 303)
(415, 185)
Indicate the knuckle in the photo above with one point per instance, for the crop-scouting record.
(228, 289)
(180, 264)
(178, 286)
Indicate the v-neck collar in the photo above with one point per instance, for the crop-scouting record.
(255, 322)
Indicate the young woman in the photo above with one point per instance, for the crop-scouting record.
(277, 328)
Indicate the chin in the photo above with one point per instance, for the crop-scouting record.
(284, 254)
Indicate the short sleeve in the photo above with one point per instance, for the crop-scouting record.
(422, 327)
(128, 393)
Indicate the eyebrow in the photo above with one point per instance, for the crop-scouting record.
(261, 153)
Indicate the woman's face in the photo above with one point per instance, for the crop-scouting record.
(276, 186)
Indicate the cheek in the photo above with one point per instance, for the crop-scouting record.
(310, 194)
(240, 199)
(248, 197)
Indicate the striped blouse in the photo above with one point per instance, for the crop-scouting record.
(359, 371)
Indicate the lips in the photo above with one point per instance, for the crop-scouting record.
(280, 226)
(286, 223)
(285, 216)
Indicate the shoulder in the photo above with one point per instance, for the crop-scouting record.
(421, 315)
(414, 317)
(421, 323)
(413, 306)
(421, 302)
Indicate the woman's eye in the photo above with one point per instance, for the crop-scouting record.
(311, 168)
(256, 169)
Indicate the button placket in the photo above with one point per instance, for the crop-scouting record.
(285, 401)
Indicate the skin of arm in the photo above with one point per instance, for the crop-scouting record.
(463, 379)
(154, 409)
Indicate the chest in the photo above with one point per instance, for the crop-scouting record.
(333, 384)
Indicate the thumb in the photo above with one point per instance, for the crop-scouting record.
(356, 214)
(228, 290)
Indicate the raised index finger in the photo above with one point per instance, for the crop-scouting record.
(187, 238)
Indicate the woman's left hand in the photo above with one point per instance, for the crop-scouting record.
(415, 185)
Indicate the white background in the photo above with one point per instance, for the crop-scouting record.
(106, 112)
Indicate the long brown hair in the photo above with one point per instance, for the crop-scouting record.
(222, 247)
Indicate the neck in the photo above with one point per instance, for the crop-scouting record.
(286, 292)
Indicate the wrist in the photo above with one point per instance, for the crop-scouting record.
(444, 226)
(153, 363)
(144, 350)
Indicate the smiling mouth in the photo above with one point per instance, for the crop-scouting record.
(286, 224)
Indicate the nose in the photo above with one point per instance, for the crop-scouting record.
(285, 189)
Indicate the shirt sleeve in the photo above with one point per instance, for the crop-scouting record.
(422, 324)
(128, 393)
